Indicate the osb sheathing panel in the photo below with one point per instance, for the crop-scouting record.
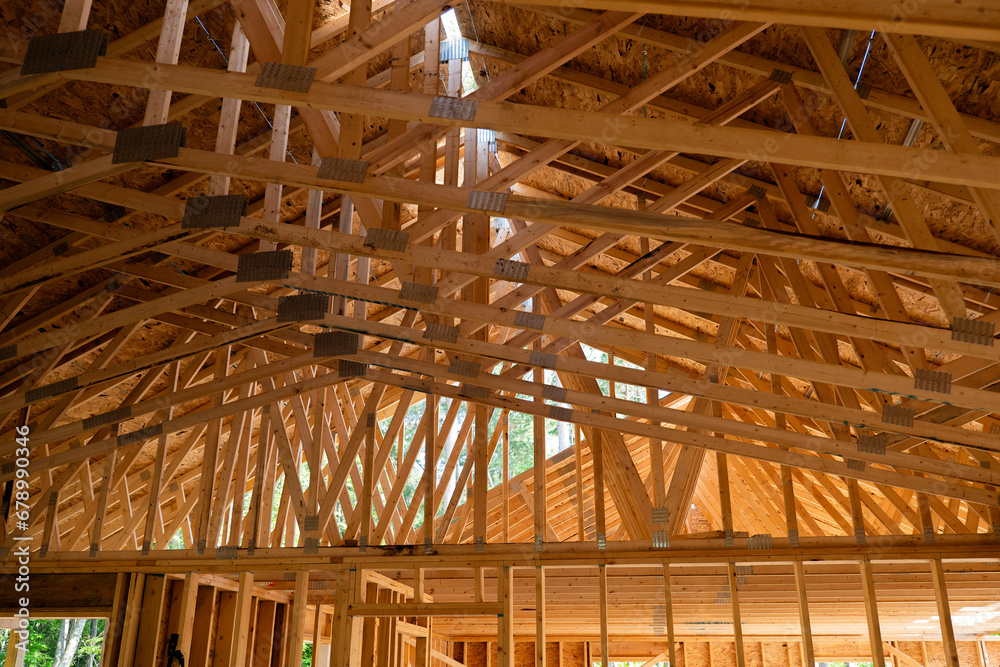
(458, 650)
(968, 652)
(475, 654)
(574, 654)
(622, 61)
(552, 655)
(696, 654)
(524, 654)
(758, 653)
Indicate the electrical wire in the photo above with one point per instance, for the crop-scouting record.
(857, 80)
(226, 60)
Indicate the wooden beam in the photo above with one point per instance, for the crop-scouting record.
(728, 445)
(167, 51)
(297, 623)
(973, 20)
(540, 656)
(74, 15)
(734, 594)
(369, 477)
(298, 32)
(241, 626)
(668, 604)
(951, 128)
(602, 576)
(664, 227)
(871, 613)
(944, 614)
(505, 595)
(808, 653)
(661, 134)
(148, 629)
(909, 215)
(62, 181)
(709, 550)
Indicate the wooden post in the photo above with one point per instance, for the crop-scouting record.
(229, 114)
(581, 492)
(201, 638)
(669, 613)
(225, 630)
(944, 613)
(734, 594)
(297, 626)
(369, 627)
(481, 478)
(241, 630)
(264, 637)
(74, 17)
(317, 631)
(423, 644)
(185, 625)
(344, 649)
(167, 51)
(115, 624)
(603, 582)
(808, 654)
(430, 467)
(538, 433)
(14, 656)
(871, 613)
(725, 501)
(505, 487)
(148, 626)
(598, 452)
(540, 616)
(368, 484)
(505, 621)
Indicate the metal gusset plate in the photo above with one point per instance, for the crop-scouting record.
(936, 381)
(303, 307)
(872, 444)
(418, 292)
(454, 49)
(464, 368)
(481, 200)
(105, 418)
(526, 320)
(214, 211)
(453, 108)
(897, 415)
(973, 331)
(473, 391)
(64, 51)
(141, 434)
(351, 369)
(335, 344)
(53, 389)
(343, 169)
(512, 269)
(554, 393)
(441, 332)
(149, 142)
(387, 239)
(293, 78)
(260, 266)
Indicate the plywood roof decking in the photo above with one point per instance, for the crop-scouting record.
(771, 262)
